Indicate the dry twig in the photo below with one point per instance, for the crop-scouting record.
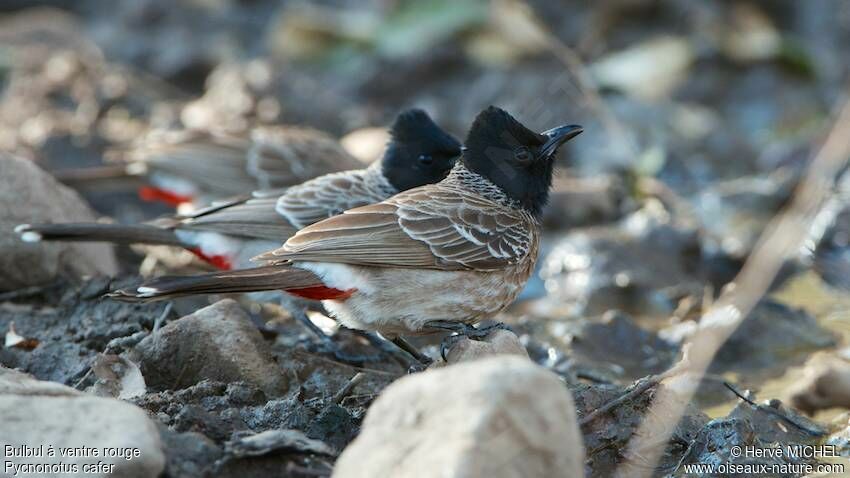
(782, 239)
(776, 412)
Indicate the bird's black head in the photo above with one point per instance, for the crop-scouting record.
(517, 160)
(419, 152)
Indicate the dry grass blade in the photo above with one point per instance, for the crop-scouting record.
(782, 238)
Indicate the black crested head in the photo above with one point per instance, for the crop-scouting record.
(419, 152)
(517, 160)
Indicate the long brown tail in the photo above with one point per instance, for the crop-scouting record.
(97, 232)
(278, 277)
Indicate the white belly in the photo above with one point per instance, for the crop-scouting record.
(237, 250)
(401, 301)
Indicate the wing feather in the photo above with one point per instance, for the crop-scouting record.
(328, 196)
(291, 155)
(252, 218)
(435, 226)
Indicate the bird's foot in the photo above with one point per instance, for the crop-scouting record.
(416, 367)
(447, 345)
(459, 331)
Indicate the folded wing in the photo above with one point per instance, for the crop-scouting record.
(435, 227)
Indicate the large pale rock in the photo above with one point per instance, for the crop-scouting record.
(37, 415)
(495, 417)
(218, 343)
(13, 382)
(30, 195)
(39, 422)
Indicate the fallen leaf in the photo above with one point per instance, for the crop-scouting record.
(276, 440)
(17, 341)
(117, 377)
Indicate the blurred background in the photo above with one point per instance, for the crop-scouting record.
(686, 91)
(700, 117)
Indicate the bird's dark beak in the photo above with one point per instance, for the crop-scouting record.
(558, 136)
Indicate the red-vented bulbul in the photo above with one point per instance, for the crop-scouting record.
(199, 167)
(231, 232)
(437, 257)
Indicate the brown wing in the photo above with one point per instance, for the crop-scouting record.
(255, 218)
(328, 196)
(434, 227)
(285, 156)
(216, 162)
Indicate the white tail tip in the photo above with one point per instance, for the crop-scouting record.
(147, 291)
(27, 235)
(136, 169)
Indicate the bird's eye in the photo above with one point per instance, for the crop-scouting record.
(522, 155)
(426, 159)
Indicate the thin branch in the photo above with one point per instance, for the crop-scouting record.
(778, 413)
(781, 239)
(639, 387)
(346, 390)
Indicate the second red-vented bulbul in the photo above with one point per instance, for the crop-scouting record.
(446, 255)
(198, 166)
(231, 232)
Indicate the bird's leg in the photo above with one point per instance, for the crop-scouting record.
(385, 346)
(328, 343)
(460, 330)
(422, 359)
(300, 315)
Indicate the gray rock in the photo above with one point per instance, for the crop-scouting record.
(219, 343)
(334, 425)
(641, 265)
(611, 432)
(714, 443)
(735, 212)
(110, 430)
(495, 417)
(73, 326)
(189, 454)
(615, 341)
(29, 195)
(773, 334)
(825, 383)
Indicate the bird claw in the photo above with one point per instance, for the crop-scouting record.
(464, 331)
(483, 332)
(416, 367)
(447, 345)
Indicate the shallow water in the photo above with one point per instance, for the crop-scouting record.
(831, 308)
